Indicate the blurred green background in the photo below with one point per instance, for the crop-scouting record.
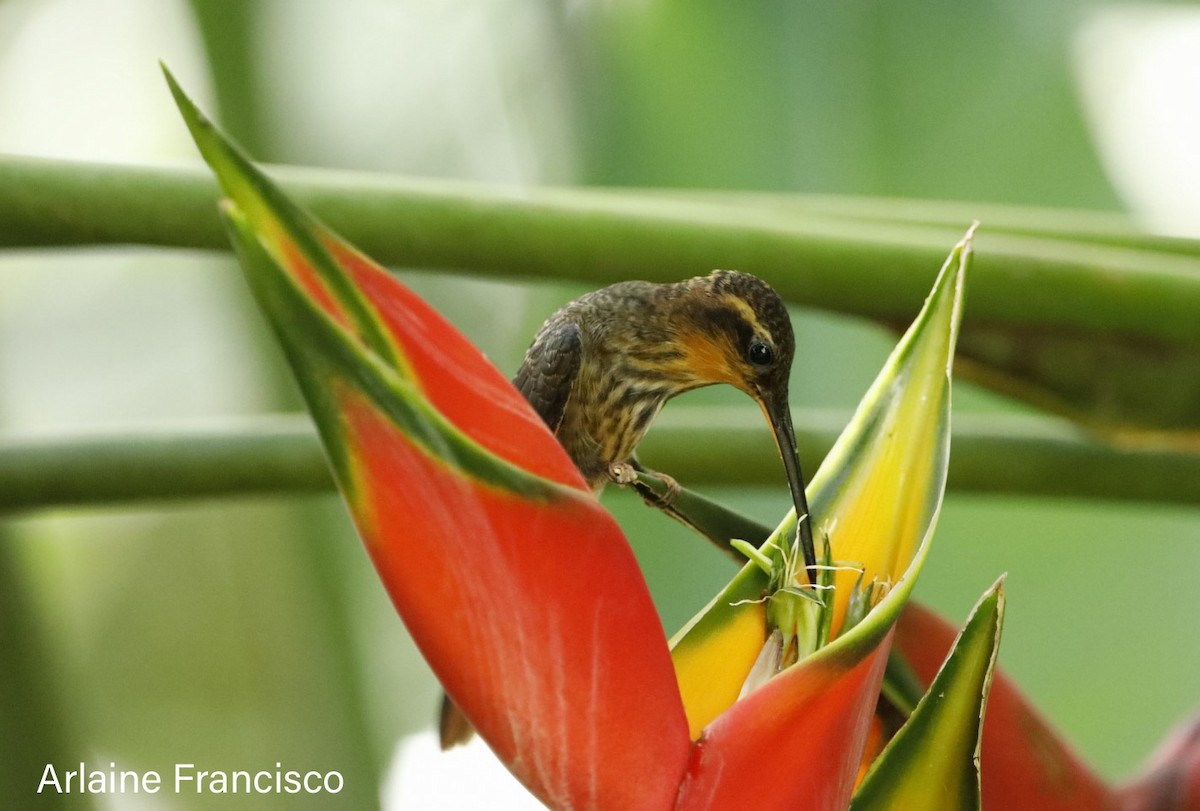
(241, 633)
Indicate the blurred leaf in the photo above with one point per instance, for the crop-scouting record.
(854, 98)
(34, 729)
(231, 32)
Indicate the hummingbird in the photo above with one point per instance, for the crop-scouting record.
(601, 368)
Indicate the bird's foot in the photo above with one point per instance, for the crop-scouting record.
(626, 474)
(622, 473)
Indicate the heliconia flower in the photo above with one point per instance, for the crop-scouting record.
(520, 589)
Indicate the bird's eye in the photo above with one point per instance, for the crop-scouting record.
(760, 354)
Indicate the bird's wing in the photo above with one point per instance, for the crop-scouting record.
(549, 369)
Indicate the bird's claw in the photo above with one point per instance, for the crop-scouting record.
(665, 500)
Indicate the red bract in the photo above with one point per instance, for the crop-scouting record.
(454, 376)
(809, 722)
(516, 584)
(552, 659)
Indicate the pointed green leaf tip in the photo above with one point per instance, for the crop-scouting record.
(933, 761)
(191, 114)
(217, 152)
(286, 231)
(236, 174)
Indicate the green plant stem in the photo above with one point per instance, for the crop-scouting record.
(243, 456)
(1099, 227)
(715, 522)
(34, 729)
(875, 268)
(269, 455)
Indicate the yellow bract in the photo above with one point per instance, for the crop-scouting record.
(885, 502)
(710, 683)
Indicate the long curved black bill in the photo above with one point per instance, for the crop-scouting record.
(779, 415)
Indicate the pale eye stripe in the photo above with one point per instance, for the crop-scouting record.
(748, 315)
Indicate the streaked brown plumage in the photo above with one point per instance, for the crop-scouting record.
(601, 368)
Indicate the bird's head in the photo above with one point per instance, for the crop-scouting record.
(735, 329)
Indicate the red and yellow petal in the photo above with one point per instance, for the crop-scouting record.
(793, 743)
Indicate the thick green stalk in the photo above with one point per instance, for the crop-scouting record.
(1010, 456)
(867, 267)
(34, 730)
(254, 455)
(1099, 227)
